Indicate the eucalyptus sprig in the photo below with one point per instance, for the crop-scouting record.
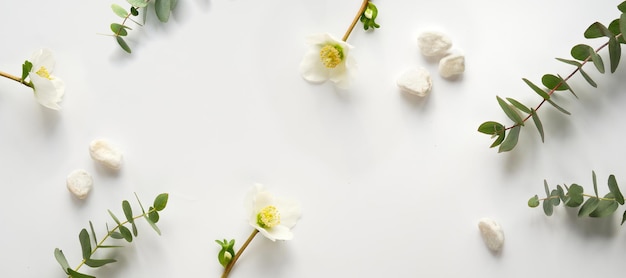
(582, 54)
(120, 231)
(162, 9)
(574, 196)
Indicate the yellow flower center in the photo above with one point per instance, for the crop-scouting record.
(268, 217)
(43, 72)
(331, 55)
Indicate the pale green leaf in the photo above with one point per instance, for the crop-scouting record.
(570, 62)
(93, 234)
(575, 195)
(161, 201)
(126, 233)
(595, 183)
(590, 205)
(119, 11)
(518, 105)
(605, 207)
(122, 44)
(597, 61)
(98, 263)
(537, 90)
(588, 78)
(554, 82)
(138, 3)
(76, 274)
(533, 202)
(511, 140)
(85, 243)
(538, 123)
(559, 107)
(568, 87)
(128, 211)
(491, 128)
(615, 53)
(114, 217)
(613, 188)
(163, 9)
(512, 114)
(60, 257)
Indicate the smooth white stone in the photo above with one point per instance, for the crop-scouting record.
(492, 234)
(79, 182)
(103, 152)
(451, 65)
(433, 43)
(415, 81)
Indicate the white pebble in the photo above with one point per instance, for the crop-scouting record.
(79, 182)
(415, 81)
(102, 151)
(452, 65)
(492, 234)
(433, 43)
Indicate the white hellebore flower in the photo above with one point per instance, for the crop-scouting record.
(328, 58)
(272, 217)
(48, 88)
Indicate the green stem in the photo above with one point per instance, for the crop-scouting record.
(230, 265)
(145, 214)
(14, 78)
(355, 20)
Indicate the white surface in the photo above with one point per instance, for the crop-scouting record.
(391, 185)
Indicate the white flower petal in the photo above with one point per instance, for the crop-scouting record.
(290, 212)
(42, 58)
(312, 69)
(46, 91)
(279, 232)
(319, 39)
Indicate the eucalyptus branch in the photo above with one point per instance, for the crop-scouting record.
(574, 196)
(120, 231)
(162, 8)
(507, 137)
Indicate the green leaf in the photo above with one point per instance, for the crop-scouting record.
(537, 122)
(161, 201)
(561, 193)
(597, 61)
(491, 128)
(575, 196)
(134, 11)
(93, 234)
(114, 218)
(595, 183)
(26, 68)
(518, 105)
(568, 87)
(163, 9)
(512, 114)
(615, 30)
(58, 255)
(153, 225)
(98, 263)
(554, 197)
(134, 228)
(613, 188)
(571, 62)
(76, 274)
(111, 246)
(119, 29)
(537, 90)
(153, 215)
(499, 140)
(138, 3)
(554, 82)
(581, 52)
(126, 233)
(558, 107)
(122, 44)
(546, 188)
(511, 140)
(117, 235)
(533, 202)
(622, 27)
(174, 3)
(623, 218)
(605, 208)
(548, 209)
(85, 243)
(590, 205)
(119, 11)
(615, 53)
(622, 7)
(594, 31)
(128, 211)
(588, 78)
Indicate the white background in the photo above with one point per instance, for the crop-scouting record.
(391, 185)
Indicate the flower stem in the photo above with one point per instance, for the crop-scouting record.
(14, 78)
(230, 265)
(355, 20)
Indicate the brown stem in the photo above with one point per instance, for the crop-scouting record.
(562, 82)
(355, 20)
(12, 77)
(230, 265)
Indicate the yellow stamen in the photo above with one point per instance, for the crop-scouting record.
(43, 72)
(268, 217)
(331, 55)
